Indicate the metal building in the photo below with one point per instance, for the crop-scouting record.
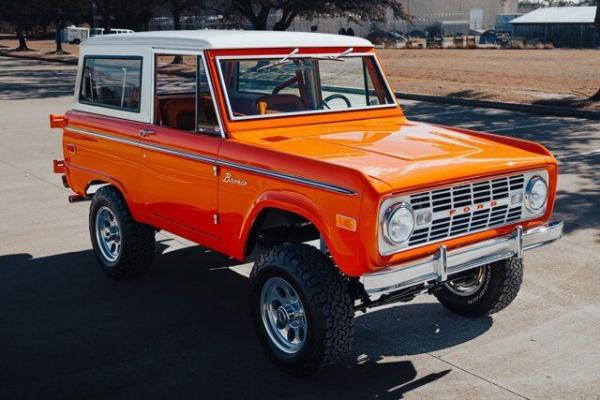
(477, 14)
(561, 26)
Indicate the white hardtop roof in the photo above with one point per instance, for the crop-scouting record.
(228, 39)
(558, 15)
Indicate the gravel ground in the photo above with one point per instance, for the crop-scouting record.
(554, 77)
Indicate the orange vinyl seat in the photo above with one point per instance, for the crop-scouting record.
(279, 103)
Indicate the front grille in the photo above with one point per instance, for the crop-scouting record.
(467, 208)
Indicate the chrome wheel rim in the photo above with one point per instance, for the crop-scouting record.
(469, 284)
(283, 315)
(108, 234)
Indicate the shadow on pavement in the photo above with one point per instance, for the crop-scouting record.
(185, 329)
(22, 79)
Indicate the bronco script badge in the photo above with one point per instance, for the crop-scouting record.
(228, 178)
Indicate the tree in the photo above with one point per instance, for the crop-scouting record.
(178, 7)
(132, 14)
(257, 12)
(596, 97)
(106, 9)
(18, 13)
(597, 19)
(142, 12)
(61, 12)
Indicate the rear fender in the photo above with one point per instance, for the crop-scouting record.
(80, 179)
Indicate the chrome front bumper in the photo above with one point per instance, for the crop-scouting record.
(447, 262)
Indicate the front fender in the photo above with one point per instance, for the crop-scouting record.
(527, 145)
(342, 244)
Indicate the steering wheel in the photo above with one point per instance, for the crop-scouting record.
(323, 103)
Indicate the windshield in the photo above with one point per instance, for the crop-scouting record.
(267, 87)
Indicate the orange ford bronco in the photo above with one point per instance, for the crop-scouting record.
(289, 150)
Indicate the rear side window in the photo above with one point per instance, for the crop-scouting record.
(112, 82)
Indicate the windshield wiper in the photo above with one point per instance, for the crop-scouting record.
(278, 63)
(337, 57)
(286, 59)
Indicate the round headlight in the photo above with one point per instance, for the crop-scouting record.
(399, 223)
(536, 193)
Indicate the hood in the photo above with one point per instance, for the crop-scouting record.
(404, 155)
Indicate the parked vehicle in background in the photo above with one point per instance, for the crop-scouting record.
(417, 39)
(418, 34)
(488, 37)
(494, 37)
(389, 39)
(503, 38)
(434, 37)
(96, 32)
(76, 35)
(118, 31)
(288, 150)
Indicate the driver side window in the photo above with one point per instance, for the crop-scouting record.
(183, 98)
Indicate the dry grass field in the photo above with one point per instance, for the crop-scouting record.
(521, 76)
(557, 77)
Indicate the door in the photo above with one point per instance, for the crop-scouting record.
(178, 174)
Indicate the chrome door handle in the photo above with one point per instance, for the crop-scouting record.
(146, 132)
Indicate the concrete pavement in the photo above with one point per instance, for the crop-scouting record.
(68, 331)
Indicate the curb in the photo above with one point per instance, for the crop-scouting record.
(38, 58)
(526, 108)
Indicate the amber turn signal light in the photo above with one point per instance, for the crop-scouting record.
(344, 222)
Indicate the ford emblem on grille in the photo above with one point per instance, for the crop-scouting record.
(465, 210)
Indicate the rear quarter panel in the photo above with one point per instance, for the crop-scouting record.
(96, 159)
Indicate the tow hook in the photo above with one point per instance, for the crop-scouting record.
(76, 198)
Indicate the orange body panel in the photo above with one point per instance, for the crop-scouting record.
(373, 154)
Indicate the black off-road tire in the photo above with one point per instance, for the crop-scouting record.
(500, 287)
(327, 303)
(138, 243)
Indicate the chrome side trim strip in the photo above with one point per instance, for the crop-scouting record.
(162, 149)
(291, 178)
(214, 161)
(444, 263)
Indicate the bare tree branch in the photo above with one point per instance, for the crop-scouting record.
(257, 12)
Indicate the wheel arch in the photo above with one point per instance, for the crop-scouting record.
(92, 186)
(96, 182)
(276, 209)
